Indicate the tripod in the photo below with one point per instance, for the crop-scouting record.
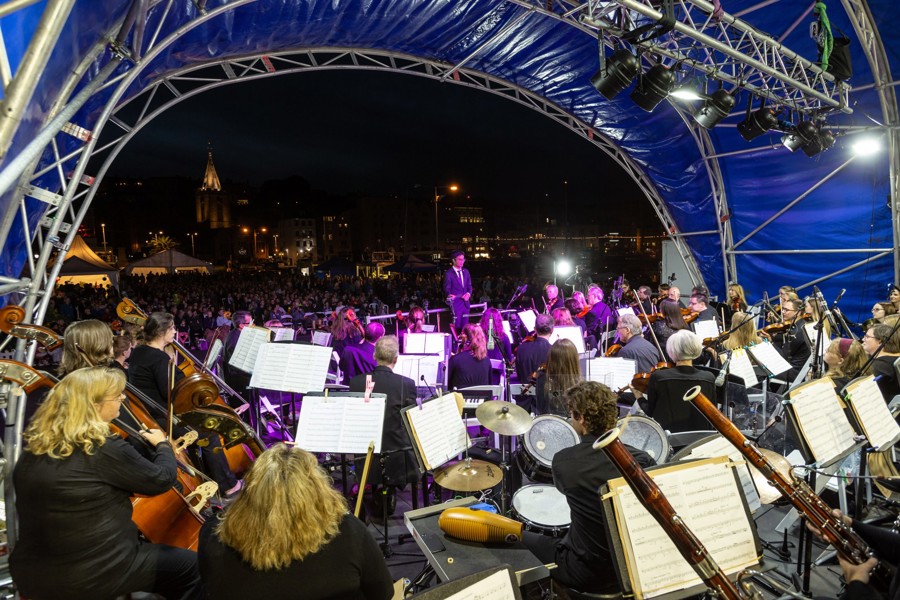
(386, 498)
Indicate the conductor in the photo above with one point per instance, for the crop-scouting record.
(458, 288)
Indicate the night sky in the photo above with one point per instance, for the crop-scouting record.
(379, 133)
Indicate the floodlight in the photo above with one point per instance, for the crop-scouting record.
(691, 88)
(563, 267)
(714, 109)
(757, 123)
(866, 146)
(653, 87)
(620, 69)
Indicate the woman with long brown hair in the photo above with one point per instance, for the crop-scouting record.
(289, 535)
(561, 372)
(492, 326)
(470, 366)
(73, 485)
(671, 322)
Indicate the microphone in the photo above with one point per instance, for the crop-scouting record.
(430, 389)
(490, 342)
(475, 525)
(839, 296)
(826, 310)
(723, 373)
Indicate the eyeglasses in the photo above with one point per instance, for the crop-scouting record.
(870, 337)
(119, 398)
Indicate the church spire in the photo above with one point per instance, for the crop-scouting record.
(210, 178)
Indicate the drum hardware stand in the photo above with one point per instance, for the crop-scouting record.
(386, 550)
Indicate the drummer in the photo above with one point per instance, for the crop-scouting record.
(582, 560)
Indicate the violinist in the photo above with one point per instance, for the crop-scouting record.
(643, 293)
(666, 387)
(600, 316)
(552, 300)
(737, 300)
(699, 306)
(149, 371)
(415, 322)
(470, 366)
(360, 358)
(792, 344)
(346, 330)
(674, 295)
(492, 326)
(73, 484)
(845, 359)
(671, 322)
(883, 343)
(236, 379)
(635, 347)
(743, 332)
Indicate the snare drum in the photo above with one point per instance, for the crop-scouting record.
(548, 435)
(542, 509)
(643, 433)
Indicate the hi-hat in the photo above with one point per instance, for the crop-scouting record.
(767, 492)
(505, 418)
(469, 475)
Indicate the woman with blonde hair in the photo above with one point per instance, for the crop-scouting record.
(289, 535)
(73, 486)
(470, 366)
(845, 358)
(737, 300)
(743, 332)
(87, 343)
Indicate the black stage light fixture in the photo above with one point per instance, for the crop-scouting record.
(801, 134)
(653, 87)
(716, 108)
(757, 123)
(821, 141)
(620, 70)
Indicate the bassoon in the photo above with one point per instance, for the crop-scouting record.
(652, 498)
(848, 544)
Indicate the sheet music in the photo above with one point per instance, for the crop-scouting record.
(572, 333)
(706, 495)
(811, 334)
(719, 446)
(424, 343)
(613, 372)
(506, 329)
(415, 366)
(742, 367)
(341, 424)
(321, 338)
(438, 429)
(248, 344)
(282, 333)
(497, 586)
(706, 329)
(214, 352)
(872, 413)
(528, 318)
(822, 421)
(296, 368)
(625, 310)
(768, 357)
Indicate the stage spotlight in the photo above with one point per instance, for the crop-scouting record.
(621, 68)
(757, 123)
(866, 146)
(821, 141)
(800, 135)
(691, 88)
(563, 267)
(653, 87)
(714, 109)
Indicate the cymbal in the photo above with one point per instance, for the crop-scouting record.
(505, 418)
(469, 475)
(767, 492)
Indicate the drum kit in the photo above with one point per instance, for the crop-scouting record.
(539, 505)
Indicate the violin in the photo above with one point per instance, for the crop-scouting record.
(641, 381)
(711, 342)
(647, 318)
(400, 317)
(584, 311)
(613, 350)
(533, 379)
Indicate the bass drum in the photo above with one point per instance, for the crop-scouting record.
(548, 435)
(542, 509)
(643, 433)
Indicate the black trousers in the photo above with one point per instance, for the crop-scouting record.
(164, 570)
(570, 570)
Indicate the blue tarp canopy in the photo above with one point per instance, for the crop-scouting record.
(541, 52)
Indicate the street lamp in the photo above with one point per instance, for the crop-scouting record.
(193, 249)
(103, 227)
(276, 244)
(437, 197)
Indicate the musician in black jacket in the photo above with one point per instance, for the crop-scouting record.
(582, 558)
